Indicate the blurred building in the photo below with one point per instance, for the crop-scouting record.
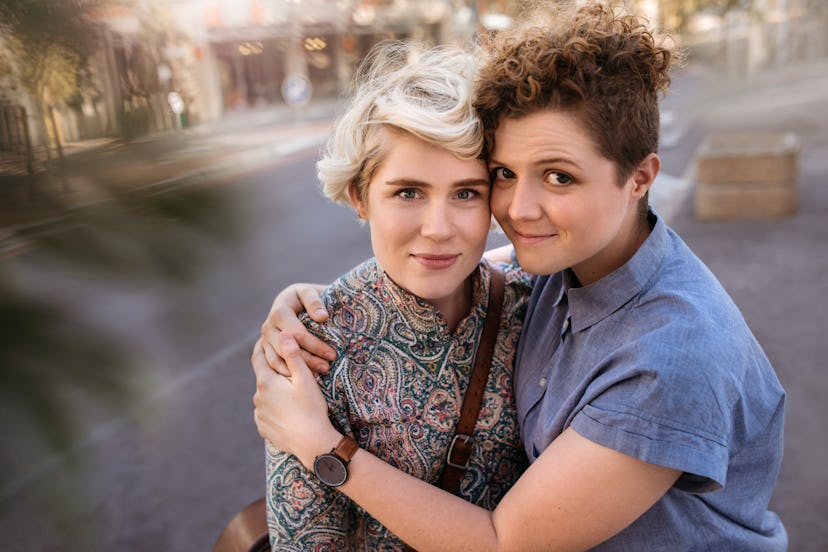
(222, 56)
(164, 64)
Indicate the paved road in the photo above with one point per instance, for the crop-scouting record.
(168, 474)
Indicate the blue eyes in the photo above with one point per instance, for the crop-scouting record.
(413, 193)
(467, 194)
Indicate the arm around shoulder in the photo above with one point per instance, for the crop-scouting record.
(575, 496)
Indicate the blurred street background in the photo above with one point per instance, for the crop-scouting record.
(157, 189)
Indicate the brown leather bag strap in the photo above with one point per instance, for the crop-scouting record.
(457, 459)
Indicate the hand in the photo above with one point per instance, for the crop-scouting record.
(290, 410)
(283, 317)
(502, 254)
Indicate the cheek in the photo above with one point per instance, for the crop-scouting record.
(499, 203)
(382, 235)
(478, 229)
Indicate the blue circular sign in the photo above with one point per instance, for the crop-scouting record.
(296, 90)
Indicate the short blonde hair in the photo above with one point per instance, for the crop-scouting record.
(401, 86)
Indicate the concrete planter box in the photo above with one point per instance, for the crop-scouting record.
(747, 176)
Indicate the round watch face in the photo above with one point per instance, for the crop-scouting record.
(330, 470)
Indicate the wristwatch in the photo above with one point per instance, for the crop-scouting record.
(332, 468)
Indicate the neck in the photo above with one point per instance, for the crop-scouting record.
(588, 273)
(456, 306)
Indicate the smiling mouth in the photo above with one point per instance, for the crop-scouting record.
(532, 238)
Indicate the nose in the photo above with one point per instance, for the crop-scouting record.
(437, 223)
(522, 200)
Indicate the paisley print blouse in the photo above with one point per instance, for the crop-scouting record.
(396, 387)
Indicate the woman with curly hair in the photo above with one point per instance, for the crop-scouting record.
(650, 414)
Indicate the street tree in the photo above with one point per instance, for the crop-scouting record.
(54, 361)
(46, 45)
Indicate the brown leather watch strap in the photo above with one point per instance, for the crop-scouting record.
(345, 449)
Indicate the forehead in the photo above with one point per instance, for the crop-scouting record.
(407, 156)
(542, 132)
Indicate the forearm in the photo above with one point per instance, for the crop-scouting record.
(424, 516)
(502, 254)
(303, 514)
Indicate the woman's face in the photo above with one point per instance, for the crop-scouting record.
(428, 213)
(559, 200)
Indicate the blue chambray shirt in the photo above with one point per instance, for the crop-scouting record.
(656, 361)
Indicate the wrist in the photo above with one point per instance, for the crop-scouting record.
(332, 467)
(326, 442)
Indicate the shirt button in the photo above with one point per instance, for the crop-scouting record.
(542, 382)
(565, 325)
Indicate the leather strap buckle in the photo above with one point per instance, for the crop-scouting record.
(463, 453)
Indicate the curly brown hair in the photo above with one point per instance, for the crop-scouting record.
(605, 68)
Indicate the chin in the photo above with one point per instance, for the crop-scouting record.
(537, 264)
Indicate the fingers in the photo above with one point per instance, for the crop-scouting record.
(319, 353)
(274, 360)
(283, 318)
(309, 298)
(261, 368)
(290, 351)
(316, 364)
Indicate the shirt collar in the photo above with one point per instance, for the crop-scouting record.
(590, 304)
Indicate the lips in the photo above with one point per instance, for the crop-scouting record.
(531, 238)
(435, 262)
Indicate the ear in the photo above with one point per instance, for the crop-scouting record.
(356, 201)
(644, 175)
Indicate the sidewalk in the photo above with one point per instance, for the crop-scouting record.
(97, 169)
(776, 273)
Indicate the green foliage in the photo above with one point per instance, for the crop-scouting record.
(46, 45)
(48, 73)
(62, 23)
(43, 357)
(52, 360)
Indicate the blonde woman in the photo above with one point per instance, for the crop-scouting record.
(406, 156)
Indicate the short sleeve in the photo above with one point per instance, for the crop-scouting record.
(663, 409)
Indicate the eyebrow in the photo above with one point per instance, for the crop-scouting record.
(403, 182)
(544, 161)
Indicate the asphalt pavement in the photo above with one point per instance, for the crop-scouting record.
(97, 169)
(777, 270)
(774, 269)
